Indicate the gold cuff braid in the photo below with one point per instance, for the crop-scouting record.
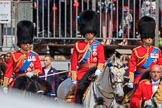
(100, 66)
(36, 72)
(5, 82)
(131, 76)
(74, 75)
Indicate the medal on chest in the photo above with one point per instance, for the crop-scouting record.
(31, 58)
(154, 55)
(94, 53)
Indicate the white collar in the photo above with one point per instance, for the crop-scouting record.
(155, 82)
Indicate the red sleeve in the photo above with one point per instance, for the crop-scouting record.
(101, 56)
(74, 59)
(37, 65)
(132, 63)
(132, 66)
(160, 59)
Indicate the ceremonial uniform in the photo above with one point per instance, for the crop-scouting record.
(87, 53)
(142, 59)
(81, 62)
(17, 61)
(145, 92)
(23, 62)
(145, 56)
(52, 79)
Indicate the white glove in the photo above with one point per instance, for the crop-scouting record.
(74, 82)
(97, 72)
(55, 99)
(148, 103)
(130, 85)
(29, 74)
(5, 90)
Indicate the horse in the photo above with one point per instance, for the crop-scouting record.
(107, 89)
(32, 85)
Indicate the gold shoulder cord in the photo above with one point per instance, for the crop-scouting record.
(82, 51)
(143, 58)
(18, 61)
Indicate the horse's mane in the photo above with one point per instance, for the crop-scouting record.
(32, 84)
(20, 82)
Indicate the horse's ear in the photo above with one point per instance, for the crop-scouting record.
(113, 58)
(109, 64)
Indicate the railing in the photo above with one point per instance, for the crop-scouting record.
(56, 20)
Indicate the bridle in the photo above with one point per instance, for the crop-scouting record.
(102, 91)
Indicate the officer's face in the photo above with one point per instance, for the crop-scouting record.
(89, 36)
(25, 47)
(155, 72)
(148, 41)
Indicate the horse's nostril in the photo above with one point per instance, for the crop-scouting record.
(117, 95)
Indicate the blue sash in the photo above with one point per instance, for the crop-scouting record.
(150, 60)
(96, 43)
(147, 63)
(26, 64)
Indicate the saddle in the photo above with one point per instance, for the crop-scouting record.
(82, 88)
(71, 95)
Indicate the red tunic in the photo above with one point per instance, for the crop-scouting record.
(143, 93)
(139, 57)
(96, 57)
(17, 60)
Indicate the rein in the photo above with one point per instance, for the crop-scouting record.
(99, 100)
(102, 91)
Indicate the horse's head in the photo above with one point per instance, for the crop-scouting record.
(116, 71)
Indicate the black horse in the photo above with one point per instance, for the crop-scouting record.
(33, 85)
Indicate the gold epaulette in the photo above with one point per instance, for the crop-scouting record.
(147, 81)
(22, 57)
(83, 50)
(136, 53)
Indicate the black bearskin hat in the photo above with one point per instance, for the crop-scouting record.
(88, 22)
(147, 27)
(25, 32)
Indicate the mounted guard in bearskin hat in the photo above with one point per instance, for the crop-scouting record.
(23, 62)
(145, 56)
(88, 55)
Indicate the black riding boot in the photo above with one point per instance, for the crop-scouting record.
(79, 96)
